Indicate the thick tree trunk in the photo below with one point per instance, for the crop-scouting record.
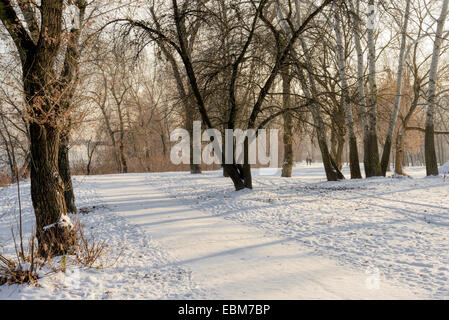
(240, 174)
(235, 173)
(431, 158)
(64, 172)
(288, 124)
(53, 229)
(38, 48)
(337, 145)
(55, 236)
(330, 167)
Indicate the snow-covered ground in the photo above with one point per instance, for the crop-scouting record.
(397, 226)
(135, 266)
(191, 237)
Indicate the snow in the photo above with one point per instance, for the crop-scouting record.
(182, 236)
(64, 222)
(398, 226)
(143, 270)
(445, 168)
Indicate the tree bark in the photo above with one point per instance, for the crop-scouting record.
(68, 83)
(288, 124)
(64, 171)
(47, 192)
(353, 150)
(372, 162)
(385, 162)
(55, 237)
(431, 158)
(338, 145)
(399, 158)
(194, 168)
(361, 79)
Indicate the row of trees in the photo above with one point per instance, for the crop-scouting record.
(117, 78)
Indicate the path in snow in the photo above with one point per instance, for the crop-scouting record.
(233, 261)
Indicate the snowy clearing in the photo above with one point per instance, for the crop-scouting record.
(398, 226)
(143, 270)
(298, 238)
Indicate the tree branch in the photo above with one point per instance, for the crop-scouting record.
(26, 6)
(15, 28)
(424, 130)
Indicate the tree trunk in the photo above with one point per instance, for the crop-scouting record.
(397, 100)
(64, 172)
(53, 230)
(194, 168)
(332, 172)
(338, 145)
(353, 150)
(288, 125)
(240, 174)
(124, 164)
(361, 81)
(372, 162)
(431, 158)
(399, 158)
(88, 167)
(235, 173)
(47, 193)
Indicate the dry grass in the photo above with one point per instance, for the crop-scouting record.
(88, 250)
(5, 179)
(23, 268)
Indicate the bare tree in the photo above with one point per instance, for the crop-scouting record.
(372, 163)
(353, 150)
(240, 174)
(304, 72)
(397, 102)
(431, 158)
(43, 92)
